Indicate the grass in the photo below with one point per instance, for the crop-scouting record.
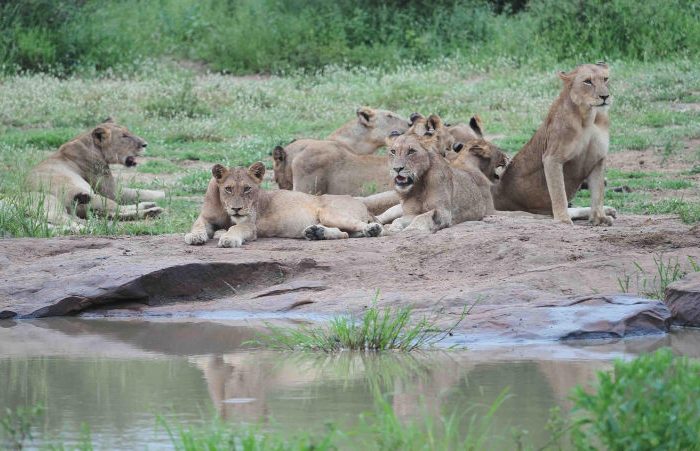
(653, 284)
(243, 119)
(390, 328)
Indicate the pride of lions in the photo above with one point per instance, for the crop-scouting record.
(437, 175)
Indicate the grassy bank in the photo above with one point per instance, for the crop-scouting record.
(193, 120)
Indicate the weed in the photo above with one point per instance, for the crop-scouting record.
(377, 330)
(654, 284)
(16, 426)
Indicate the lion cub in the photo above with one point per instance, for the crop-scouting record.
(569, 147)
(77, 177)
(234, 201)
(434, 194)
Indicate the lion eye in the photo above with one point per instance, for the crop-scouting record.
(392, 151)
(246, 190)
(605, 79)
(588, 81)
(411, 151)
(229, 190)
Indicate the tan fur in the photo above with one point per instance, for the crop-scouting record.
(235, 202)
(433, 194)
(570, 146)
(77, 177)
(361, 136)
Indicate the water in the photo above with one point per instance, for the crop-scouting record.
(118, 376)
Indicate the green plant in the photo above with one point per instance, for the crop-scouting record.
(654, 284)
(377, 330)
(16, 426)
(643, 404)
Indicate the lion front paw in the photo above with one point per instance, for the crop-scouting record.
(601, 220)
(373, 229)
(610, 211)
(196, 238)
(230, 241)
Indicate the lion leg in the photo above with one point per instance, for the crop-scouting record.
(347, 223)
(132, 195)
(554, 173)
(431, 221)
(399, 224)
(391, 214)
(201, 232)
(57, 215)
(521, 214)
(585, 212)
(236, 235)
(380, 202)
(596, 185)
(321, 232)
(113, 210)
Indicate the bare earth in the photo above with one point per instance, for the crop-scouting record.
(530, 279)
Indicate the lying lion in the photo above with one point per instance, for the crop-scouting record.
(362, 136)
(434, 194)
(568, 148)
(235, 202)
(77, 177)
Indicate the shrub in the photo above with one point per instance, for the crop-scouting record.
(647, 403)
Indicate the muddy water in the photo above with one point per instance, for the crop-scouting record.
(118, 376)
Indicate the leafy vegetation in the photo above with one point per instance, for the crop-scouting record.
(254, 36)
(642, 404)
(378, 330)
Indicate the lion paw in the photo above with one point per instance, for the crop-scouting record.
(150, 212)
(601, 220)
(145, 205)
(610, 211)
(315, 232)
(196, 238)
(230, 241)
(373, 229)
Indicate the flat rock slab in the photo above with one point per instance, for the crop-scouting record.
(527, 277)
(683, 299)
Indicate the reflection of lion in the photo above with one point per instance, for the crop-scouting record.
(77, 176)
(569, 147)
(362, 136)
(234, 201)
(433, 194)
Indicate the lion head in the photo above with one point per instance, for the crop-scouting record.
(479, 154)
(376, 125)
(409, 158)
(117, 143)
(587, 85)
(239, 189)
(282, 168)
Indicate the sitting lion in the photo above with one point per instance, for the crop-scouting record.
(77, 177)
(362, 136)
(434, 194)
(569, 147)
(234, 201)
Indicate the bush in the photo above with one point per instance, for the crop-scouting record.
(647, 403)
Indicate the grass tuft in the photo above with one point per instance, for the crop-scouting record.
(653, 284)
(378, 330)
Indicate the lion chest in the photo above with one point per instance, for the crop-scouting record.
(591, 147)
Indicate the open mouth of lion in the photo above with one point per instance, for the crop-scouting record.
(402, 181)
(130, 162)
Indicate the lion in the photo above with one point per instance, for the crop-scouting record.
(362, 136)
(434, 194)
(234, 201)
(568, 148)
(77, 177)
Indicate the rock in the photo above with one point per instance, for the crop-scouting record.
(683, 299)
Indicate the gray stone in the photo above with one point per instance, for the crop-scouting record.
(683, 299)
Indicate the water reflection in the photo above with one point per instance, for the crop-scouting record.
(118, 375)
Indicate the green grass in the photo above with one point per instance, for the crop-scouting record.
(653, 284)
(246, 118)
(377, 330)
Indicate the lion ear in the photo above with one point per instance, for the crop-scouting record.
(414, 117)
(566, 76)
(433, 124)
(100, 135)
(257, 171)
(479, 150)
(278, 154)
(366, 116)
(109, 120)
(602, 64)
(475, 124)
(218, 171)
